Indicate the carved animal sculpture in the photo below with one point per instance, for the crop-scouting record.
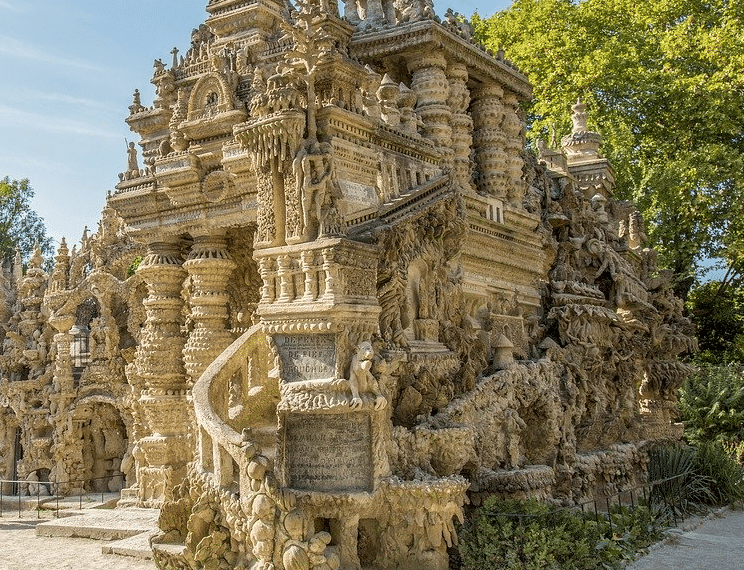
(361, 379)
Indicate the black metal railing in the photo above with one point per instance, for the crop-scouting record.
(19, 501)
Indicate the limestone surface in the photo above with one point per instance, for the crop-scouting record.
(333, 297)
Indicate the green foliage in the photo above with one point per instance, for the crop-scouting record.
(531, 535)
(702, 476)
(133, 266)
(717, 308)
(735, 450)
(665, 83)
(20, 226)
(711, 405)
(726, 474)
(682, 489)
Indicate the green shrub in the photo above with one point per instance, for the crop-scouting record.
(725, 473)
(711, 405)
(515, 535)
(702, 476)
(735, 450)
(682, 488)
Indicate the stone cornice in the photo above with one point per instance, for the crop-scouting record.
(414, 37)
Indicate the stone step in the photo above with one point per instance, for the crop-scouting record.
(137, 546)
(109, 524)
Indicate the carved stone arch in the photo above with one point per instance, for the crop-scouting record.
(211, 95)
(105, 426)
(99, 285)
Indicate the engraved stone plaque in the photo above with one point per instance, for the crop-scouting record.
(307, 357)
(357, 196)
(329, 453)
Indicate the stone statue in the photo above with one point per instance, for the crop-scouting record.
(361, 379)
(132, 165)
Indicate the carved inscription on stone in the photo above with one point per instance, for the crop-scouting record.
(307, 357)
(358, 196)
(329, 453)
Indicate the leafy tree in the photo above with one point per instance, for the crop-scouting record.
(665, 82)
(20, 226)
(717, 308)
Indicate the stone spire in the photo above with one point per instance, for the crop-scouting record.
(581, 144)
(594, 173)
(579, 117)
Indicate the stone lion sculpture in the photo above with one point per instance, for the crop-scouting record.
(361, 379)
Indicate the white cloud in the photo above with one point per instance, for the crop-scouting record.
(15, 48)
(62, 98)
(11, 7)
(26, 120)
(26, 163)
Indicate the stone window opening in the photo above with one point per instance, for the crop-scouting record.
(80, 331)
(496, 211)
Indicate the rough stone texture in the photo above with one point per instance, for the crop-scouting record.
(357, 299)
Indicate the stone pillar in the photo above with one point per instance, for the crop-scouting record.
(63, 378)
(165, 451)
(430, 84)
(513, 128)
(489, 141)
(462, 124)
(210, 267)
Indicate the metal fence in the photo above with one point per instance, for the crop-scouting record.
(663, 496)
(48, 492)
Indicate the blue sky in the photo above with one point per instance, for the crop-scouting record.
(67, 73)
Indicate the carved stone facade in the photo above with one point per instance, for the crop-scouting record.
(358, 299)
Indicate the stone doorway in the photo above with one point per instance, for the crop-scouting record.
(103, 439)
(17, 457)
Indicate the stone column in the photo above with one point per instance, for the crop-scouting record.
(513, 128)
(63, 378)
(165, 451)
(210, 267)
(430, 84)
(489, 141)
(462, 124)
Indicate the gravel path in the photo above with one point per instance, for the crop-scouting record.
(716, 543)
(21, 549)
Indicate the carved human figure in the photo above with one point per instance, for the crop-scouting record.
(361, 379)
(314, 172)
(132, 158)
